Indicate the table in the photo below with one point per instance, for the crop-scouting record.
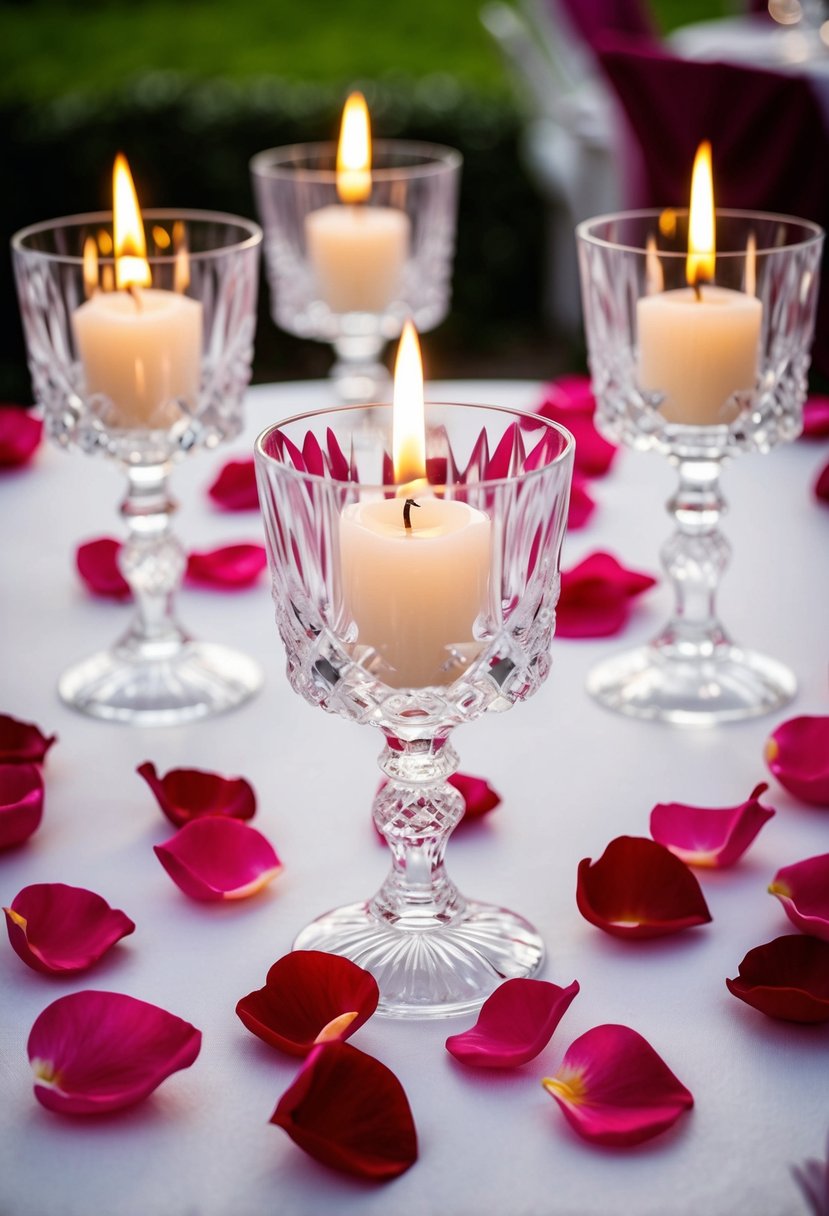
(572, 777)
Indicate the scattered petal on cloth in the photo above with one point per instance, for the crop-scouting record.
(815, 417)
(813, 1179)
(797, 753)
(97, 564)
(94, 1052)
(20, 435)
(235, 487)
(786, 978)
(614, 1089)
(184, 794)
(803, 890)
(639, 889)
(228, 568)
(309, 997)
(21, 802)
(514, 1025)
(217, 858)
(581, 507)
(570, 401)
(22, 742)
(713, 837)
(822, 485)
(596, 596)
(350, 1112)
(58, 929)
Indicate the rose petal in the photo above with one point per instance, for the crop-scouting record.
(815, 417)
(309, 997)
(514, 1025)
(20, 435)
(235, 487)
(812, 1176)
(786, 978)
(639, 889)
(217, 858)
(97, 564)
(822, 485)
(191, 793)
(21, 802)
(595, 597)
(570, 401)
(797, 753)
(229, 568)
(94, 1052)
(710, 836)
(350, 1112)
(58, 929)
(22, 742)
(479, 798)
(581, 507)
(614, 1089)
(803, 890)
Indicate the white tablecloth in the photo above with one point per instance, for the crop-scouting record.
(572, 777)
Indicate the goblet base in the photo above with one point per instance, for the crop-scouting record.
(432, 972)
(194, 680)
(728, 685)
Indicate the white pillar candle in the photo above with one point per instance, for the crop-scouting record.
(357, 253)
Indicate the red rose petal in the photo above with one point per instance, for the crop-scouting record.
(786, 978)
(58, 929)
(350, 1112)
(235, 487)
(514, 1025)
(97, 564)
(803, 890)
(21, 802)
(822, 485)
(797, 753)
(581, 507)
(595, 597)
(614, 1089)
(216, 858)
(229, 568)
(94, 1052)
(815, 417)
(570, 401)
(309, 997)
(20, 435)
(710, 836)
(639, 889)
(191, 793)
(22, 742)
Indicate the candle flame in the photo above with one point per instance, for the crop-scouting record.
(654, 278)
(408, 418)
(751, 265)
(90, 266)
(181, 268)
(354, 152)
(131, 266)
(701, 233)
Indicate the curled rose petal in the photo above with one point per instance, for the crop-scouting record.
(350, 1112)
(93, 1052)
(59, 929)
(614, 1089)
(596, 595)
(20, 435)
(822, 485)
(514, 1025)
(21, 802)
(786, 978)
(191, 793)
(705, 836)
(22, 742)
(216, 858)
(581, 507)
(228, 568)
(97, 564)
(815, 417)
(797, 753)
(570, 401)
(235, 487)
(309, 997)
(639, 889)
(803, 890)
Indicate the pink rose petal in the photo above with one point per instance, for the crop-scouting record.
(94, 1052)
(822, 485)
(803, 890)
(22, 742)
(235, 487)
(797, 753)
(570, 401)
(309, 997)
(20, 435)
(710, 836)
(614, 1089)
(97, 564)
(815, 417)
(514, 1025)
(581, 507)
(228, 568)
(596, 596)
(216, 858)
(184, 794)
(21, 802)
(786, 978)
(58, 929)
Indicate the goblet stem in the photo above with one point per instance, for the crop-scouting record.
(358, 374)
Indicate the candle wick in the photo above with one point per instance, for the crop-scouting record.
(132, 288)
(407, 517)
(698, 288)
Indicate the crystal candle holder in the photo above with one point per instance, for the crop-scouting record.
(470, 618)
(351, 274)
(700, 377)
(145, 379)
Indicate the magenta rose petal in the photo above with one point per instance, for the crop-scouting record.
(184, 794)
(59, 929)
(235, 487)
(227, 568)
(570, 401)
(515, 1023)
(803, 890)
(815, 417)
(95, 1052)
(581, 506)
(787, 978)
(596, 595)
(216, 858)
(20, 435)
(797, 754)
(21, 803)
(97, 564)
(350, 1112)
(614, 1089)
(822, 485)
(714, 837)
(22, 742)
(309, 997)
(478, 795)
(639, 889)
